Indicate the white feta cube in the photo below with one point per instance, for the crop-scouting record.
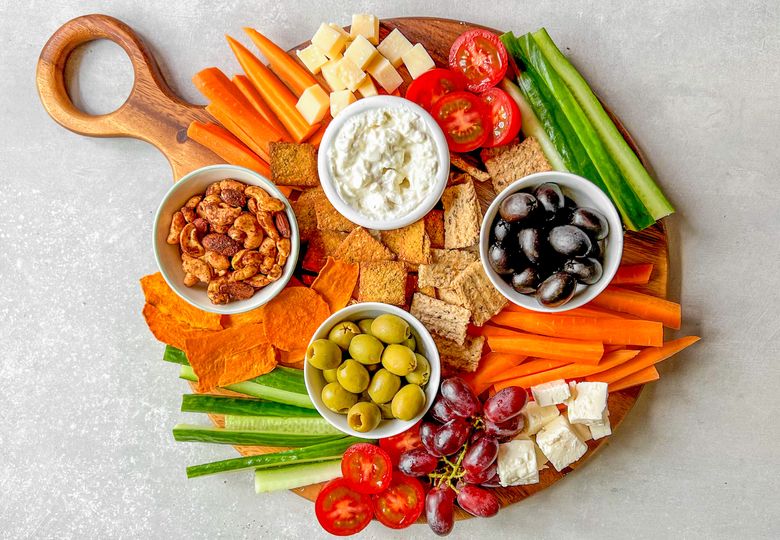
(599, 430)
(551, 393)
(541, 459)
(517, 463)
(560, 443)
(582, 431)
(588, 407)
(536, 416)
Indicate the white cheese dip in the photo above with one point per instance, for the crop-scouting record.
(384, 162)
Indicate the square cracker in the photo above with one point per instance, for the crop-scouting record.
(461, 216)
(360, 246)
(468, 164)
(445, 266)
(434, 228)
(411, 244)
(294, 164)
(322, 244)
(439, 317)
(509, 163)
(477, 294)
(306, 213)
(455, 357)
(329, 219)
(382, 281)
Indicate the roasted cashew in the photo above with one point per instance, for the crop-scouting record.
(196, 267)
(247, 223)
(283, 248)
(265, 202)
(217, 261)
(219, 215)
(258, 281)
(268, 248)
(177, 224)
(188, 210)
(266, 265)
(244, 273)
(246, 257)
(275, 273)
(266, 221)
(190, 280)
(215, 292)
(189, 241)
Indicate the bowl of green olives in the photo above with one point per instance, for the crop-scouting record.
(551, 241)
(372, 370)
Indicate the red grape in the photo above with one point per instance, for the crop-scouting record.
(481, 454)
(505, 404)
(481, 476)
(449, 438)
(477, 501)
(441, 410)
(495, 481)
(440, 509)
(505, 430)
(427, 431)
(417, 462)
(459, 397)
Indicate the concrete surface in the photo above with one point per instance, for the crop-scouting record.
(88, 405)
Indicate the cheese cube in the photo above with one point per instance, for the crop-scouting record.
(560, 443)
(365, 25)
(551, 393)
(313, 104)
(582, 431)
(339, 100)
(536, 417)
(331, 77)
(588, 407)
(349, 73)
(599, 430)
(517, 463)
(313, 58)
(385, 74)
(341, 31)
(361, 52)
(541, 459)
(330, 41)
(394, 46)
(367, 88)
(417, 61)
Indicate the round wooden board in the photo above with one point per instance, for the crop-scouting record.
(153, 113)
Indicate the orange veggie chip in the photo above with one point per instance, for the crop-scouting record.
(293, 316)
(292, 358)
(335, 283)
(254, 316)
(247, 365)
(168, 329)
(157, 293)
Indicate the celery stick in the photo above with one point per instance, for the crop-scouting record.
(205, 403)
(295, 476)
(175, 356)
(208, 434)
(307, 426)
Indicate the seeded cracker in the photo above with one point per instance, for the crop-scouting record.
(294, 164)
(445, 266)
(409, 243)
(476, 293)
(461, 216)
(507, 164)
(456, 357)
(360, 246)
(382, 281)
(469, 165)
(329, 219)
(305, 212)
(434, 228)
(448, 295)
(439, 317)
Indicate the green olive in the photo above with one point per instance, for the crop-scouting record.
(365, 325)
(329, 374)
(399, 360)
(391, 328)
(421, 373)
(411, 343)
(364, 416)
(366, 349)
(342, 334)
(386, 409)
(337, 399)
(323, 354)
(383, 386)
(352, 376)
(408, 402)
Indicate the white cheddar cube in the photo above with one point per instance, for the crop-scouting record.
(536, 417)
(341, 31)
(313, 58)
(551, 393)
(367, 88)
(365, 25)
(588, 407)
(385, 74)
(417, 61)
(394, 46)
(349, 73)
(313, 104)
(599, 430)
(331, 77)
(361, 52)
(339, 100)
(517, 463)
(560, 443)
(329, 41)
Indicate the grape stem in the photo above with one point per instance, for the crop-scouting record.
(451, 471)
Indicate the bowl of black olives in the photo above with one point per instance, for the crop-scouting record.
(551, 241)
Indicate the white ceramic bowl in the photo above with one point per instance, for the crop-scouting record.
(326, 177)
(586, 194)
(169, 257)
(370, 310)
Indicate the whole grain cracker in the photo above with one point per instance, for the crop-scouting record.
(470, 165)
(306, 213)
(410, 244)
(476, 293)
(455, 357)
(360, 246)
(446, 265)
(330, 219)
(382, 281)
(461, 216)
(441, 318)
(434, 228)
(515, 161)
(293, 164)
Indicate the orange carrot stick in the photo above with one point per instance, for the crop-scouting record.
(646, 358)
(274, 92)
(612, 331)
(491, 330)
(537, 365)
(643, 306)
(633, 274)
(254, 98)
(227, 146)
(316, 139)
(294, 75)
(224, 117)
(643, 376)
(571, 350)
(489, 365)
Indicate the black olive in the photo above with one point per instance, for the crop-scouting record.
(569, 240)
(531, 243)
(556, 290)
(595, 249)
(525, 282)
(499, 259)
(550, 198)
(519, 207)
(587, 271)
(591, 221)
(501, 231)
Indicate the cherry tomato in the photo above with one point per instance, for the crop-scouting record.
(464, 119)
(398, 444)
(366, 468)
(401, 504)
(429, 87)
(341, 510)
(481, 57)
(505, 115)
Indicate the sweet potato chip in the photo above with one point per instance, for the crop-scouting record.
(293, 359)
(160, 295)
(322, 245)
(168, 329)
(254, 316)
(247, 365)
(335, 283)
(293, 316)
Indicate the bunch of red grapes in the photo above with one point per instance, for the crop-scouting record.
(459, 452)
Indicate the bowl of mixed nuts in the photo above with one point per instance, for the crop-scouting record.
(225, 239)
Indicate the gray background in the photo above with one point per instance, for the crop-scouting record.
(88, 405)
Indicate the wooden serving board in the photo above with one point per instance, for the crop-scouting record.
(153, 113)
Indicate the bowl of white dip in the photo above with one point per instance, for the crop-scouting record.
(383, 162)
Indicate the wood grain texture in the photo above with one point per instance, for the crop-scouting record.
(153, 113)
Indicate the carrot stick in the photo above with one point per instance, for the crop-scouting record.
(537, 365)
(584, 311)
(646, 358)
(571, 350)
(226, 119)
(254, 98)
(274, 92)
(295, 76)
(316, 139)
(227, 146)
(643, 306)
(570, 371)
(612, 331)
(489, 365)
(633, 274)
(491, 330)
(643, 376)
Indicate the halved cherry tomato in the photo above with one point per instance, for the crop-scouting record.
(341, 510)
(401, 504)
(429, 87)
(464, 119)
(505, 115)
(398, 444)
(481, 57)
(367, 468)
